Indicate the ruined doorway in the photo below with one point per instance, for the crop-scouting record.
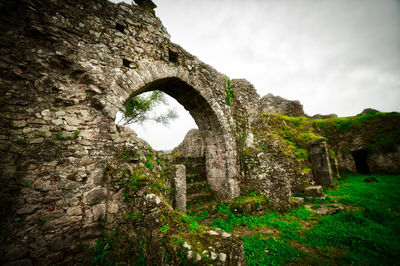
(220, 158)
(361, 161)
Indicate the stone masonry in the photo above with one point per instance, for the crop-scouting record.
(320, 164)
(66, 68)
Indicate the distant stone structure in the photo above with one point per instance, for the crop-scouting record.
(278, 105)
(192, 145)
(319, 116)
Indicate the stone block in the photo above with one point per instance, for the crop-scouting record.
(18, 123)
(180, 187)
(296, 202)
(320, 164)
(76, 210)
(94, 196)
(99, 212)
(313, 191)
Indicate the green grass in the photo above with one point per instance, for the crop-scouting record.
(370, 236)
(367, 233)
(289, 224)
(381, 195)
(271, 251)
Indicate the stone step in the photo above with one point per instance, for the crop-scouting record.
(195, 177)
(313, 192)
(198, 197)
(196, 209)
(194, 164)
(196, 187)
(296, 202)
(196, 169)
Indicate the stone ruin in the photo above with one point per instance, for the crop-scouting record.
(66, 68)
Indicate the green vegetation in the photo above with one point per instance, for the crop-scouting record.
(137, 109)
(21, 141)
(379, 130)
(270, 251)
(76, 134)
(365, 232)
(293, 136)
(101, 249)
(229, 92)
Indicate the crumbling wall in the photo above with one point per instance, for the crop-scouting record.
(191, 146)
(66, 67)
(278, 105)
(374, 133)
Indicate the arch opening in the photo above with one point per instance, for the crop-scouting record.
(219, 157)
(162, 130)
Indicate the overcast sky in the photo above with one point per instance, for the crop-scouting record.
(334, 56)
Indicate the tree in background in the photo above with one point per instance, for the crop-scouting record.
(138, 109)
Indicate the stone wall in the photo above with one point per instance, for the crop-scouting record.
(66, 67)
(375, 134)
(192, 145)
(278, 105)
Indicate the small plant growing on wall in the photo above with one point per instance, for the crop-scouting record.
(229, 92)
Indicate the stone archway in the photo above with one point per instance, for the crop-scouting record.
(66, 78)
(199, 100)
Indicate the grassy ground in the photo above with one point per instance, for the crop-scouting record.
(363, 227)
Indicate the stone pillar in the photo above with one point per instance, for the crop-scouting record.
(179, 184)
(320, 164)
(334, 167)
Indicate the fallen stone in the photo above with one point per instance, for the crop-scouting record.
(153, 199)
(371, 180)
(296, 202)
(313, 191)
(186, 245)
(213, 256)
(226, 235)
(212, 233)
(222, 257)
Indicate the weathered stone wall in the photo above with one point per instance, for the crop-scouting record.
(278, 105)
(321, 166)
(192, 145)
(377, 134)
(66, 67)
